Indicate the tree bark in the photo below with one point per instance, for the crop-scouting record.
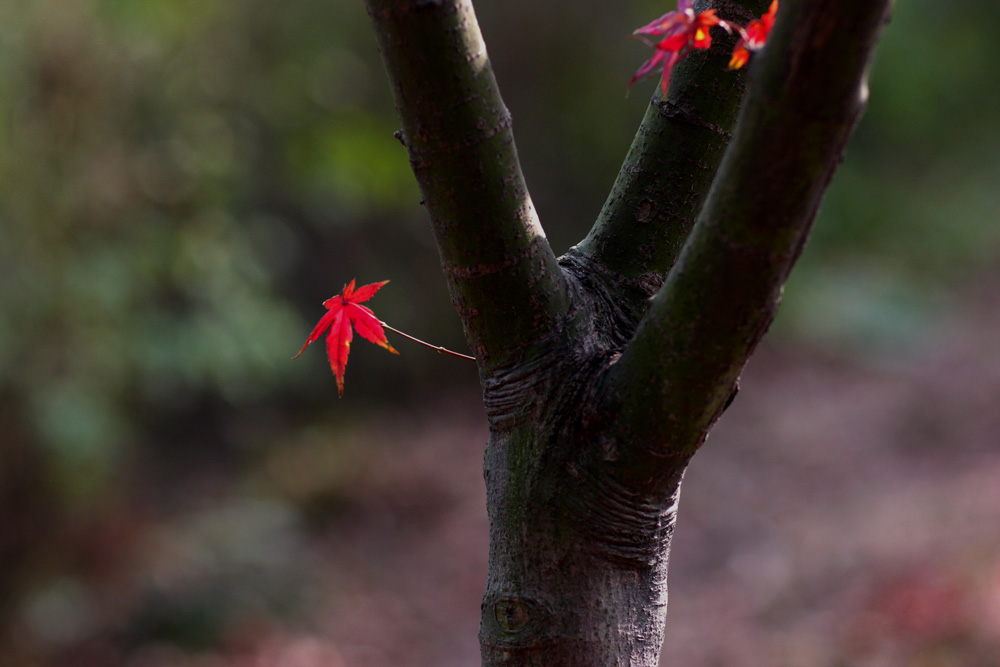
(597, 396)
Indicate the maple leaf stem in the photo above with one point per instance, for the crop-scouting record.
(440, 350)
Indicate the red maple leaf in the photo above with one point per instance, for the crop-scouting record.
(345, 314)
(680, 32)
(754, 36)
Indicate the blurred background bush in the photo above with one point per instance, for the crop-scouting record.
(184, 182)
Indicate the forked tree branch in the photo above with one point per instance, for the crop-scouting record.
(587, 448)
(805, 96)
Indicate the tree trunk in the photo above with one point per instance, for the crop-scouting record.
(602, 371)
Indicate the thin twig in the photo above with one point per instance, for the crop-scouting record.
(440, 350)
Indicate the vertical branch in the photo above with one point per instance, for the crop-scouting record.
(669, 168)
(501, 272)
(806, 94)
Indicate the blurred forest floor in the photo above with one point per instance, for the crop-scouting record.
(843, 512)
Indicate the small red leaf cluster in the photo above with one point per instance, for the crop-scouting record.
(344, 315)
(682, 31)
(753, 37)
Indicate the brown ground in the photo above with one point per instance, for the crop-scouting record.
(842, 513)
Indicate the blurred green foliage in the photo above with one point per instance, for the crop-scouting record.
(185, 181)
(913, 213)
(177, 175)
